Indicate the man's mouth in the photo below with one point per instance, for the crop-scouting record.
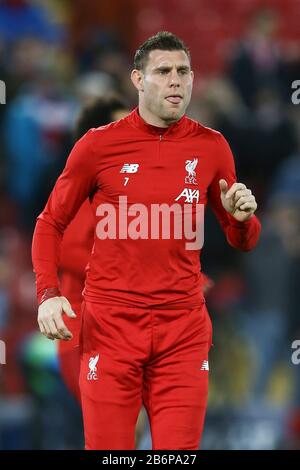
(174, 99)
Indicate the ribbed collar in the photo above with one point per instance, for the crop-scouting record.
(137, 121)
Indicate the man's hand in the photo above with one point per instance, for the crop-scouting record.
(238, 200)
(50, 318)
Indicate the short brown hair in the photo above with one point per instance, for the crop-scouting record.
(163, 41)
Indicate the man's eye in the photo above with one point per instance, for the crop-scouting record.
(183, 72)
(163, 72)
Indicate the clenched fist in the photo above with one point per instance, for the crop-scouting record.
(238, 200)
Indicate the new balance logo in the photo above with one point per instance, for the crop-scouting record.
(205, 365)
(130, 168)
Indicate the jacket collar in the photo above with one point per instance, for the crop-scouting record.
(174, 129)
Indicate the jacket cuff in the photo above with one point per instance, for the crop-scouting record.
(237, 223)
(48, 294)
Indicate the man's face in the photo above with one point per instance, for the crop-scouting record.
(166, 83)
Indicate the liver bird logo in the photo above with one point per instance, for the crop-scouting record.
(92, 375)
(190, 166)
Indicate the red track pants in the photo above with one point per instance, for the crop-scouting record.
(157, 357)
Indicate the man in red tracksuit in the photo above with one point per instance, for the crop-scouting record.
(145, 331)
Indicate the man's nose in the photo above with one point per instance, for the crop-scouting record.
(174, 78)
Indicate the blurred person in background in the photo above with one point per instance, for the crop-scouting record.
(42, 115)
(257, 60)
(128, 279)
(270, 321)
(20, 18)
(260, 74)
(78, 241)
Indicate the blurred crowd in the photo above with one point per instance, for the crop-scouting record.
(55, 56)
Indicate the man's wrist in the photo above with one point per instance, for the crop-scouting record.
(237, 223)
(48, 294)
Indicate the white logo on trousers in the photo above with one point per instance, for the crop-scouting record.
(92, 375)
(205, 365)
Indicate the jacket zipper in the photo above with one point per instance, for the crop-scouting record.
(160, 139)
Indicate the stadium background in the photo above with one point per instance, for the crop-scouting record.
(57, 54)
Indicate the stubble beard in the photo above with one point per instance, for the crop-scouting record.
(169, 116)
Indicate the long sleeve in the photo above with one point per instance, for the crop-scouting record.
(241, 235)
(77, 242)
(76, 183)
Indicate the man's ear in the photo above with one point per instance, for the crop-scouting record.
(192, 76)
(137, 78)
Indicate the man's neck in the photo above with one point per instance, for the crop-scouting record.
(153, 120)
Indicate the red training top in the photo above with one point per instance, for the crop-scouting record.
(146, 165)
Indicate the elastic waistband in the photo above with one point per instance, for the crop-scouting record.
(115, 303)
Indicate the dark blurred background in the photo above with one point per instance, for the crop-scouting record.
(55, 55)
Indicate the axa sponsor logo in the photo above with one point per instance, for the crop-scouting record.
(189, 195)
